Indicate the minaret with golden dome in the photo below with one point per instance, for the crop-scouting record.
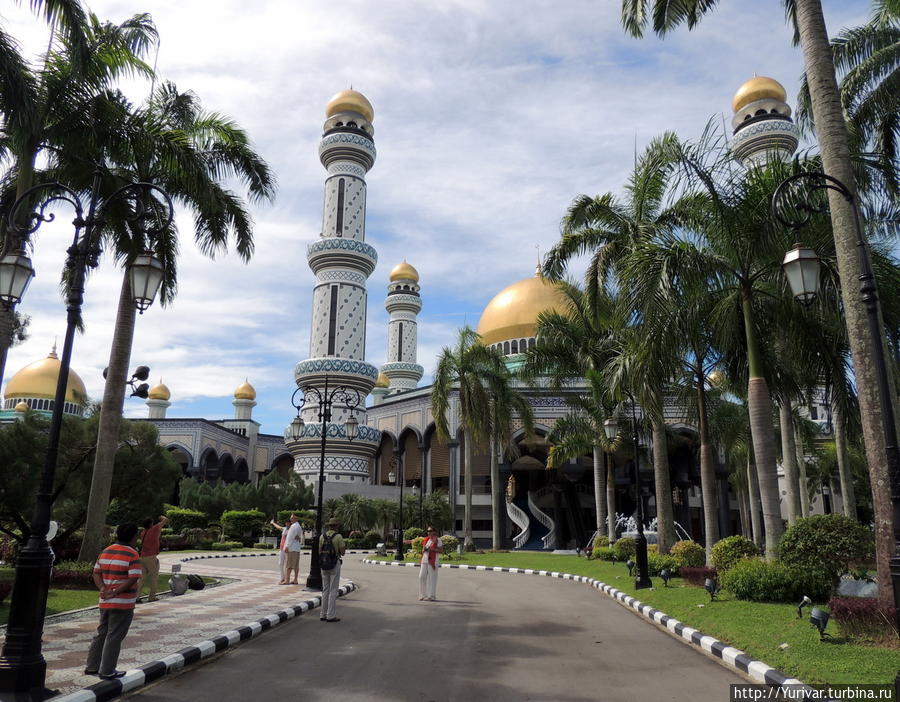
(158, 401)
(342, 261)
(403, 304)
(762, 122)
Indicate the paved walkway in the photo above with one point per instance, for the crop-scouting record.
(172, 623)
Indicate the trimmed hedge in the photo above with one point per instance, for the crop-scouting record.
(226, 545)
(413, 533)
(623, 548)
(760, 581)
(732, 549)
(72, 575)
(240, 524)
(697, 576)
(604, 553)
(827, 543)
(657, 562)
(180, 519)
(864, 618)
(688, 554)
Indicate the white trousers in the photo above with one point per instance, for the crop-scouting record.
(331, 581)
(427, 581)
(282, 565)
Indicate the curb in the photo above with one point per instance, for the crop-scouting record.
(254, 555)
(711, 646)
(138, 677)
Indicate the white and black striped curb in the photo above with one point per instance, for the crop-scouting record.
(732, 657)
(252, 555)
(111, 689)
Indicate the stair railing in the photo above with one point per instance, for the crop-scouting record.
(520, 519)
(549, 538)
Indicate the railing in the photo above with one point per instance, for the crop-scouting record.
(520, 519)
(550, 538)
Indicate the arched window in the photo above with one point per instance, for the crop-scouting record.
(531, 343)
(506, 348)
(515, 346)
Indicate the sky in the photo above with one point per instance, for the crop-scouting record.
(490, 118)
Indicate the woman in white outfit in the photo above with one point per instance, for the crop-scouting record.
(428, 567)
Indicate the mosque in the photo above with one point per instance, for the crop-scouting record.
(395, 441)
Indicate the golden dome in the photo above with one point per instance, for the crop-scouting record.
(159, 392)
(350, 101)
(39, 380)
(22, 407)
(383, 381)
(758, 88)
(245, 391)
(513, 312)
(404, 271)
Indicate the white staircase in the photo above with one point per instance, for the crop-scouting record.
(549, 538)
(520, 519)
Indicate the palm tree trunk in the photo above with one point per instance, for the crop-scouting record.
(848, 495)
(600, 487)
(759, 404)
(468, 541)
(665, 524)
(610, 499)
(789, 460)
(746, 529)
(802, 479)
(831, 131)
(496, 497)
(108, 429)
(756, 524)
(707, 476)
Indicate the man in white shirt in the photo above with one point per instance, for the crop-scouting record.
(292, 545)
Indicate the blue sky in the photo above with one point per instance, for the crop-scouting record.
(490, 117)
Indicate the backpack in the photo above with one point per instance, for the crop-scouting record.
(195, 582)
(328, 557)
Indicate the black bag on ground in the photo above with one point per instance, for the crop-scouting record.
(195, 582)
(328, 557)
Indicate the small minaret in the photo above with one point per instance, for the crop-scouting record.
(403, 303)
(244, 401)
(381, 389)
(158, 401)
(762, 123)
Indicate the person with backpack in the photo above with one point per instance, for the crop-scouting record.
(331, 548)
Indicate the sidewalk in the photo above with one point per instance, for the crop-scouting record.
(170, 624)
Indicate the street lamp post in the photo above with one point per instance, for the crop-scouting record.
(22, 665)
(802, 274)
(325, 399)
(400, 479)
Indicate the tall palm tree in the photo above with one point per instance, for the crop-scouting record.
(190, 153)
(834, 144)
(481, 383)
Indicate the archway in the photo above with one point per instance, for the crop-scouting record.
(209, 466)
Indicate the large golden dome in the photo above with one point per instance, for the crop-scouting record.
(159, 392)
(350, 101)
(404, 271)
(245, 391)
(758, 88)
(39, 380)
(513, 312)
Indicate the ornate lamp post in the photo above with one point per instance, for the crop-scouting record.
(22, 666)
(794, 209)
(397, 462)
(325, 399)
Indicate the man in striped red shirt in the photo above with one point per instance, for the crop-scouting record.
(116, 574)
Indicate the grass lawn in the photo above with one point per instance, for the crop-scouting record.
(754, 627)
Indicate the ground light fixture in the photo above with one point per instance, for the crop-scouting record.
(712, 587)
(666, 576)
(630, 564)
(805, 602)
(819, 619)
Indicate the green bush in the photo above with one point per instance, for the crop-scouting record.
(450, 545)
(226, 545)
(372, 538)
(240, 524)
(417, 545)
(72, 575)
(180, 519)
(623, 548)
(826, 543)
(604, 553)
(268, 547)
(600, 540)
(759, 581)
(657, 562)
(413, 533)
(730, 550)
(174, 542)
(688, 554)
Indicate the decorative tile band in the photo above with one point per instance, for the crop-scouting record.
(111, 689)
(732, 657)
(335, 365)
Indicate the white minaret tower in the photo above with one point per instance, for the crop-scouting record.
(244, 401)
(342, 262)
(404, 304)
(762, 123)
(158, 401)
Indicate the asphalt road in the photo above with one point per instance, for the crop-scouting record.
(491, 636)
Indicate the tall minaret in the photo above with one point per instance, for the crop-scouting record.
(403, 303)
(341, 262)
(762, 123)
(158, 401)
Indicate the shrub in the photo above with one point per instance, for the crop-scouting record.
(175, 542)
(6, 587)
(604, 553)
(759, 581)
(657, 562)
(9, 549)
(372, 538)
(623, 548)
(226, 545)
(450, 545)
(600, 540)
(72, 575)
(727, 552)
(267, 547)
(864, 618)
(827, 543)
(688, 554)
(240, 524)
(412, 533)
(696, 576)
(180, 519)
(166, 531)
(417, 545)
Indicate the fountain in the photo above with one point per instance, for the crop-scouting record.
(627, 525)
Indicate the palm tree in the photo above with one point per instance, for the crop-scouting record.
(479, 378)
(171, 142)
(834, 145)
(355, 512)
